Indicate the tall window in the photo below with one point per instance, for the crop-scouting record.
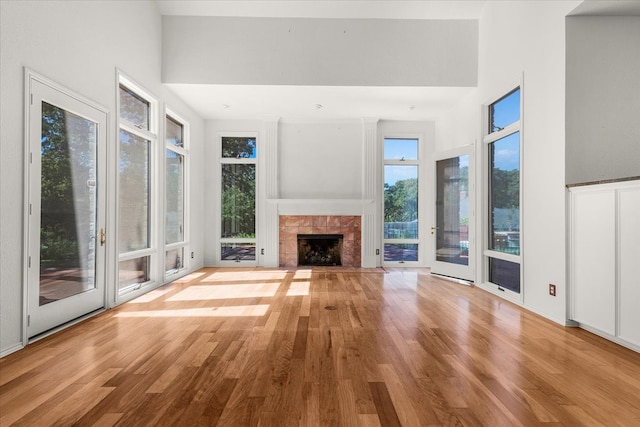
(137, 137)
(175, 196)
(401, 163)
(238, 199)
(503, 148)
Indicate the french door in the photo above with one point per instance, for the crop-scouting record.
(66, 206)
(454, 215)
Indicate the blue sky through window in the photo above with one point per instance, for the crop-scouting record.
(506, 155)
(395, 173)
(505, 111)
(397, 149)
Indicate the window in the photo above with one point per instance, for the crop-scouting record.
(401, 213)
(136, 140)
(503, 142)
(238, 198)
(176, 155)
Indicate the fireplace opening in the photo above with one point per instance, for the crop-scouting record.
(320, 249)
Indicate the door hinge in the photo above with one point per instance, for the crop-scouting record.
(29, 262)
(29, 320)
(30, 205)
(31, 99)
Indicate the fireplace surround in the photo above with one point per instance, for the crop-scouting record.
(346, 225)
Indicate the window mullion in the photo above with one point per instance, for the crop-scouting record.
(492, 137)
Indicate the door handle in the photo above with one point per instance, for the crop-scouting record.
(433, 229)
(103, 237)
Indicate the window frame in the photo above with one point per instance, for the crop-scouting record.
(419, 163)
(150, 135)
(184, 152)
(218, 198)
(490, 137)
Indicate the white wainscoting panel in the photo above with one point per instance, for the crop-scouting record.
(604, 254)
(629, 264)
(594, 259)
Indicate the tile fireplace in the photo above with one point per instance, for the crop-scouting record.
(348, 226)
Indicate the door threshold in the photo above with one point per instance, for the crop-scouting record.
(58, 328)
(454, 279)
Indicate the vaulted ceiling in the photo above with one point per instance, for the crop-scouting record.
(196, 76)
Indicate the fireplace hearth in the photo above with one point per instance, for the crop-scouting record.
(320, 249)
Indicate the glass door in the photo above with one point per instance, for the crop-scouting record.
(66, 208)
(452, 231)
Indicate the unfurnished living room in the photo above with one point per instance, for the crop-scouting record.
(319, 213)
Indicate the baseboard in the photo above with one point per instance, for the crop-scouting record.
(10, 350)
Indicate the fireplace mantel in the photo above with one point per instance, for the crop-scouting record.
(276, 208)
(322, 206)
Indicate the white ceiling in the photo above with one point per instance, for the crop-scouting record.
(338, 103)
(318, 102)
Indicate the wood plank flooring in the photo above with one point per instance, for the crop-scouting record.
(321, 347)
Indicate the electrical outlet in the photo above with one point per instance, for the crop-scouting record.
(552, 289)
(377, 251)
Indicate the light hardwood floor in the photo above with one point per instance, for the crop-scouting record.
(325, 347)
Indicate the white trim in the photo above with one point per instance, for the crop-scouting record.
(7, 351)
(488, 138)
(371, 190)
(600, 312)
(100, 116)
(219, 240)
(155, 177)
(420, 163)
(136, 254)
(140, 133)
(186, 226)
(139, 90)
(444, 268)
(502, 256)
(503, 133)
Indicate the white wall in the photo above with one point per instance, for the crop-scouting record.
(603, 98)
(332, 52)
(317, 161)
(78, 45)
(321, 160)
(526, 39)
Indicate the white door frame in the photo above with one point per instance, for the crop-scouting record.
(465, 272)
(37, 89)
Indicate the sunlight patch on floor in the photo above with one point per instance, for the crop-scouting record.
(303, 274)
(189, 277)
(199, 293)
(150, 296)
(233, 311)
(230, 276)
(298, 289)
